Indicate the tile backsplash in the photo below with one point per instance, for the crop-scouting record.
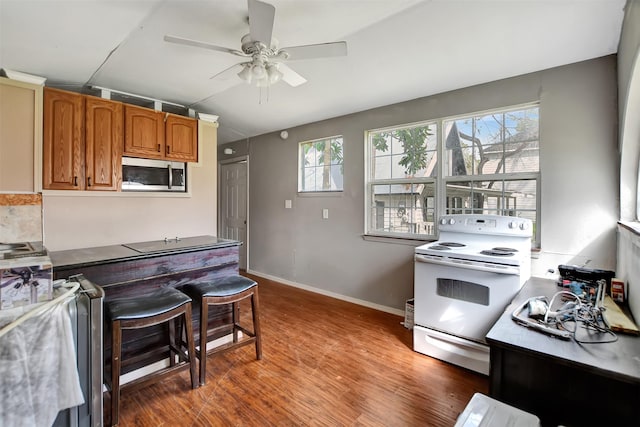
(21, 217)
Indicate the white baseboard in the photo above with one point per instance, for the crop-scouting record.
(329, 293)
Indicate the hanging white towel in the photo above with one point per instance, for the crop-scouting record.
(38, 370)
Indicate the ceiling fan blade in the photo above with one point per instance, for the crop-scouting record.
(195, 43)
(261, 17)
(229, 72)
(289, 76)
(310, 51)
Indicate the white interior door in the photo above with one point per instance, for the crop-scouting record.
(233, 205)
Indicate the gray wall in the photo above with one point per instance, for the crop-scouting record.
(579, 165)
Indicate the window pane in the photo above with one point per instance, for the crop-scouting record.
(321, 165)
(382, 167)
(412, 150)
(403, 208)
(508, 197)
(493, 144)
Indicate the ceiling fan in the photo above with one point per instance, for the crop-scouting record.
(265, 58)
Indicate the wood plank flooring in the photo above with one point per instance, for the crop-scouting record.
(326, 362)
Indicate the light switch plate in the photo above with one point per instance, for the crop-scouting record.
(287, 204)
(325, 213)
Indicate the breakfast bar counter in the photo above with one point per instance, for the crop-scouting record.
(129, 251)
(134, 269)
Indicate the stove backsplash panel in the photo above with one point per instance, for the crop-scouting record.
(21, 217)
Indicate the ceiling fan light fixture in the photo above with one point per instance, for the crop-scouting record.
(246, 74)
(275, 75)
(258, 70)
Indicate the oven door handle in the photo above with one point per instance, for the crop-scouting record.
(470, 265)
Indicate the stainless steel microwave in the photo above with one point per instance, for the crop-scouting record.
(153, 175)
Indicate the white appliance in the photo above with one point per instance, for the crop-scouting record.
(464, 281)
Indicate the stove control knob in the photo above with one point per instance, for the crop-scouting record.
(524, 226)
(452, 221)
(443, 221)
(513, 224)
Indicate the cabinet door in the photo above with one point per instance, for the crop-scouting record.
(144, 132)
(20, 127)
(103, 143)
(181, 138)
(63, 140)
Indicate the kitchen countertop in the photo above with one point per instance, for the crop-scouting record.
(620, 359)
(138, 250)
(563, 382)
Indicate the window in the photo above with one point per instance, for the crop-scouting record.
(320, 165)
(402, 164)
(490, 165)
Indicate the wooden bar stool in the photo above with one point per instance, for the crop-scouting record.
(227, 290)
(161, 306)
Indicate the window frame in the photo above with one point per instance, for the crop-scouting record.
(369, 183)
(301, 168)
(441, 180)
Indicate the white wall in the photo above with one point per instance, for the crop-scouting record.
(579, 167)
(628, 267)
(89, 219)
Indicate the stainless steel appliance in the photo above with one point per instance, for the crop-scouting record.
(153, 175)
(464, 281)
(86, 321)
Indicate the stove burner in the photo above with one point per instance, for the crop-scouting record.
(496, 252)
(453, 244)
(440, 248)
(502, 249)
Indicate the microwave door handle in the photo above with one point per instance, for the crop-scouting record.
(170, 176)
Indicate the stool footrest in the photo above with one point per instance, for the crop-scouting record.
(227, 346)
(158, 375)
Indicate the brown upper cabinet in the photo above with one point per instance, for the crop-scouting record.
(156, 135)
(63, 142)
(82, 142)
(144, 132)
(181, 138)
(103, 143)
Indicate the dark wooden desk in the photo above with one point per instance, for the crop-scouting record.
(122, 271)
(563, 382)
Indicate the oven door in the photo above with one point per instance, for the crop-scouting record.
(459, 299)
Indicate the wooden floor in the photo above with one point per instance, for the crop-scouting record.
(325, 362)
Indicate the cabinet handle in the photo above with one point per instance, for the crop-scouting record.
(168, 149)
(158, 148)
(89, 181)
(75, 181)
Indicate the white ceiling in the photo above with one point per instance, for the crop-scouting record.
(397, 50)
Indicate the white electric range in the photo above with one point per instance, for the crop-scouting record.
(464, 281)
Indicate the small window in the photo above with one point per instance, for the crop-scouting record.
(320, 165)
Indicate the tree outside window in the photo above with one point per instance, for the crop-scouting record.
(321, 165)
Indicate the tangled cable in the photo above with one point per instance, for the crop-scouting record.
(588, 315)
